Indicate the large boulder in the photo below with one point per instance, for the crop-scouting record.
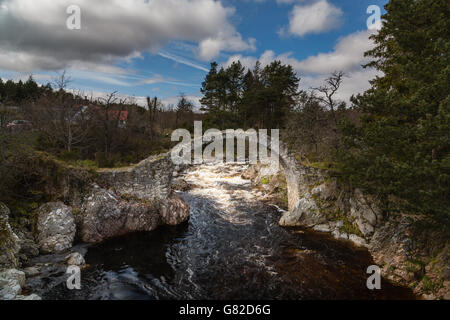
(55, 227)
(9, 242)
(105, 215)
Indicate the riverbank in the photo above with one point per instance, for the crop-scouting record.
(408, 252)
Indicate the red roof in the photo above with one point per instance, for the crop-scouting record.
(114, 115)
(121, 115)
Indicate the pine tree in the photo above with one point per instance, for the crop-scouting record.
(401, 149)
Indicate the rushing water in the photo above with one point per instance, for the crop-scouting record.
(232, 248)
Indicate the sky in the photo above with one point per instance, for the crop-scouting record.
(164, 48)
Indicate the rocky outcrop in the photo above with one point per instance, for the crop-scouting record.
(132, 199)
(9, 242)
(55, 227)
(344, 213)
(393, 240)
(414, 257)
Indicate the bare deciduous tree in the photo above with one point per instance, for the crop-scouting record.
(327, 94)
(61, 116)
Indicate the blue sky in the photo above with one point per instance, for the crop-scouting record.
(164, 48)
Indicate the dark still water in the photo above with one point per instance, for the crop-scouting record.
(232, 248)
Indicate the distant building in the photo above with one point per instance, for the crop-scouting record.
(85, 112)
(116, 115)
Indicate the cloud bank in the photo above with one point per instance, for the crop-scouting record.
(34, 36)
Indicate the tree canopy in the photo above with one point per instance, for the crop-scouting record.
(401, 149)
(258, 98)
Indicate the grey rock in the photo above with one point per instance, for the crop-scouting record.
(181, 185)
(75, 259)
(11, 283)
(9, 290)
(175, 210)
(326, 191)
(322, 228)
(366, 228)
(358, 241)
(306, 213)
(9, 242)
(28, 247)
(15, 275)
(340, 235)
(32, 271)
(55, 228)
(105, 215)
(150, 180)
(367, 216)
(339, 224)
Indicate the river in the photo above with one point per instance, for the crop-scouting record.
(231, 248)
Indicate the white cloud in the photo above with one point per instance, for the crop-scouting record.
(34, 36)
(348, 55)
(211, 47)
(317, 17)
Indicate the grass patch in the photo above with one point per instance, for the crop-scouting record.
(266, 180)
(348, 226)
(430, 286)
